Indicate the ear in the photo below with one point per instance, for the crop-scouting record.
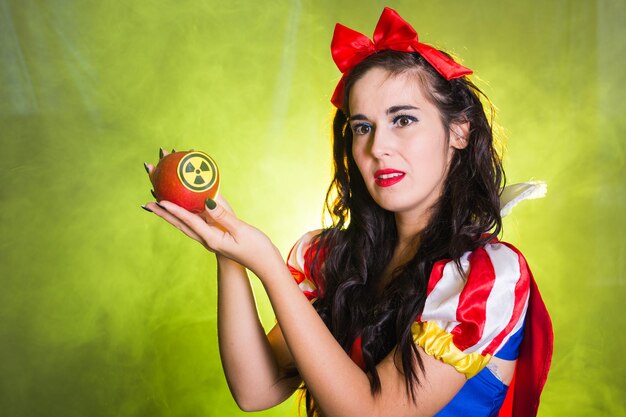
(459, 135)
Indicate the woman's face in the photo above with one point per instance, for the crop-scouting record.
(400, 143)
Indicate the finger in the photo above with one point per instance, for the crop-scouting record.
(193, 221)
(208, 220)
(150, 170)
(222, 216)
(158, 209)
(220, 200)
(211, 234)
(163, 153)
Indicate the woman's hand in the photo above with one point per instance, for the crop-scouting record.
(220, 231)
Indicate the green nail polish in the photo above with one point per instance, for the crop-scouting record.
(160, 153)
(145, 165)
(146, 209)
(210, 204)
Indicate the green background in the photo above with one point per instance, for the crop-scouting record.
(105, 310)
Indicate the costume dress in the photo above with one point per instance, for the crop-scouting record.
(489, 308)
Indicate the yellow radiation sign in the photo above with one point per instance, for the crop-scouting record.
(197, 171)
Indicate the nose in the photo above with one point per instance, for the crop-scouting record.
(380, 144)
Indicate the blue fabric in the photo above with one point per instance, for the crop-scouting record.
(510, 351)
(483, 395)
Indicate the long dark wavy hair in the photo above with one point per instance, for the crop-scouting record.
(363, 235)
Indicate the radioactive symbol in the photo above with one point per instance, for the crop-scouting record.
(197, 171)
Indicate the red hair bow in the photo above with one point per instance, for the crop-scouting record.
(350, 47)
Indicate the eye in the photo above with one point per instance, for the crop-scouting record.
(403, 120)
(361, 129)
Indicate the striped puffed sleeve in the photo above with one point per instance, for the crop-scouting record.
(469, 315)
(299, 264)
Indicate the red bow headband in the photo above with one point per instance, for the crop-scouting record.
(350, 47)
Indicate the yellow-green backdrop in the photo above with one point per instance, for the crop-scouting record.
(107, 311)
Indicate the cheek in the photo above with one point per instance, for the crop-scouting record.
(358, 156)
(430, 160)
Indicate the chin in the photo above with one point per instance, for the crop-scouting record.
(392, 206)
(401, 206)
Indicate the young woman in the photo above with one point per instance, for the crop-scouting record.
(412, 306)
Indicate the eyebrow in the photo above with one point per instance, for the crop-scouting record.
(390, 110)
(395, 109)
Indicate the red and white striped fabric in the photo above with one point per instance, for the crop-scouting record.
(471, 313)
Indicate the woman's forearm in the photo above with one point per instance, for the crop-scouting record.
(339, 386)
(249, 364)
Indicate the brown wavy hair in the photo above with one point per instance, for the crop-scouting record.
(363, 235)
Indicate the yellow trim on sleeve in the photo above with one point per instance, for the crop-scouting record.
(438, 343)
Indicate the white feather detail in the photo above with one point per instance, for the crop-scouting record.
(513, 194)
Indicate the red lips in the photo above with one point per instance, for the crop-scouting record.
(388, 177)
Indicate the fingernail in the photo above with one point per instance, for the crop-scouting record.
(173, 150)
(161, 206)
(146, 208)
(145, 165)
(210, 204)
(153, 194)
(160, 153)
